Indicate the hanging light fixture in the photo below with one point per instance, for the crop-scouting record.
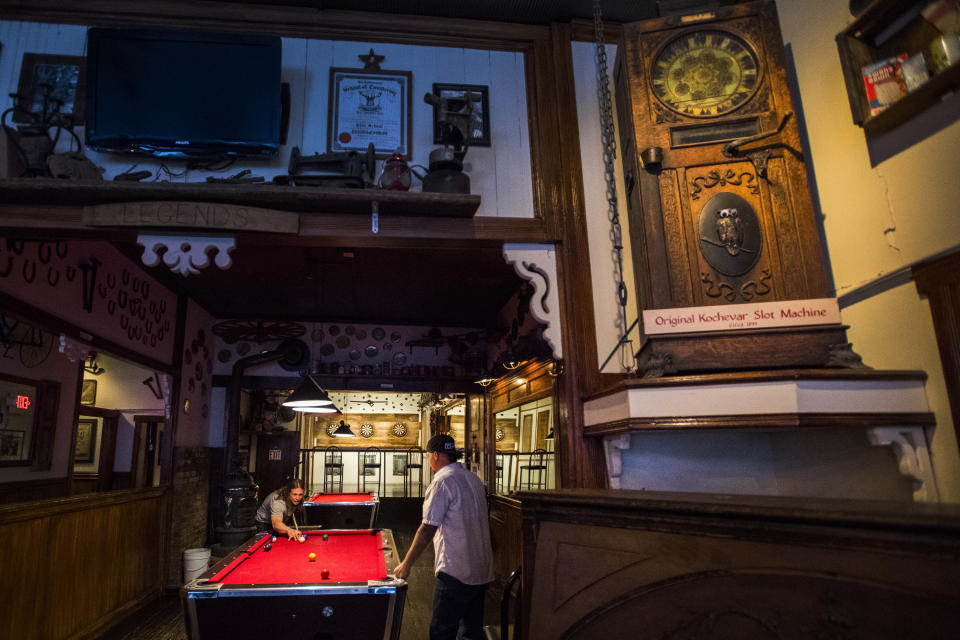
(310, 396)
(549, 435)
(343, 431)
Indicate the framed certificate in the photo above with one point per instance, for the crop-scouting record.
(370, 107)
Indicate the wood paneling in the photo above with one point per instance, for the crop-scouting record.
(74, 565)
(939, 280)
(29, 490)
(603, 564)
(505, 536)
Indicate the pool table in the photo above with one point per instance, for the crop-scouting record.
(277, 592)
(342, 510)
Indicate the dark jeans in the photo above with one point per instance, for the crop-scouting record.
(457, 607)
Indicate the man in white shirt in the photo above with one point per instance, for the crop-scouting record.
(455, 518)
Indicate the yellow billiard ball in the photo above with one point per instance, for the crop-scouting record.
(312, 557)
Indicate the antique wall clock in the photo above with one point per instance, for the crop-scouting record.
(717, 193)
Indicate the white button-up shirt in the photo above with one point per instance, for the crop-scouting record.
(456, 503)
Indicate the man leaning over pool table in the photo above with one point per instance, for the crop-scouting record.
(278, 513)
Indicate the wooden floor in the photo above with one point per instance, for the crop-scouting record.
(163, 620)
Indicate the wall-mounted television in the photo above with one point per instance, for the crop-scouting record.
(190, 94)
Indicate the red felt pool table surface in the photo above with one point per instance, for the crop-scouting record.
(349, 556)
(334, 498)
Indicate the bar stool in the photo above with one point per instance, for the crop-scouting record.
(333, 469)
(536, 463)
(370, 460)
(414, 461)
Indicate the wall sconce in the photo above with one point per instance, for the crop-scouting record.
(556, 369)
(485, 381)
(510, 365)
(91, 366)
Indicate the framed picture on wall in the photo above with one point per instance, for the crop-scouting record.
(61, 78)
(88, 393)
(86, 444)
(370, 107)
(472, 99)
(11, 444)
(399, 465)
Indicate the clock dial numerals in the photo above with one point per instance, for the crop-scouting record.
(705, 74)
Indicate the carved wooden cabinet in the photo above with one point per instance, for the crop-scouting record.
(718, 198)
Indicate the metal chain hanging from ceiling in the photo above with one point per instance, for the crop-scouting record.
(609, 157)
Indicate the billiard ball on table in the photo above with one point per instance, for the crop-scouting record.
(312, 557)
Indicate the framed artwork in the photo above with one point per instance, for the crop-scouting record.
(88, 392)
(400, 465)
(64, 75)
(369, 106)
(11, 444)
(86, 440)
(479, 95)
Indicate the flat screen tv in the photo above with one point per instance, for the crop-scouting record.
(183, 93)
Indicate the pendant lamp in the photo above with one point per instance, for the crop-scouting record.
(343, 431)
(309, 394)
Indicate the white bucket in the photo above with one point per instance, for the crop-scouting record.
(195, 562)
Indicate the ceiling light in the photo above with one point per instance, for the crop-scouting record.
(343, 431)
(327, 409)
(308, 394)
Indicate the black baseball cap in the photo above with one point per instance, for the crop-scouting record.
(442, 443)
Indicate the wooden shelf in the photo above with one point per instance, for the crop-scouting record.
(49, 191)
(888, 28)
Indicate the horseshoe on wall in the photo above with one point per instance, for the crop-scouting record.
(153, 340)
(111, 307)
(111, 280)
(134, 305)
(136, 285)
(148, 326)
(44, 252)
(71, 273)
(124, 321)
(163, 306)
(125, 277)
(122, 298)
(52, 282)
(32, 267)
(66, 248)
(145, 289)
(15, 246)
(153, 308)
(144, 339)
(5, 272)
(143, 313)
(102, 290)
(130, 333)
(160, 335)
(166, 325)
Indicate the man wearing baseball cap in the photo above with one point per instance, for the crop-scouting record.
(455, 518)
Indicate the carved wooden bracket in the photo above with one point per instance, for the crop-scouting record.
(538, 264)
(612, 448)
(913, 454)
(186, 254)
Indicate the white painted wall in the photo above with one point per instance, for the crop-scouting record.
(887, 203)
(500, 173)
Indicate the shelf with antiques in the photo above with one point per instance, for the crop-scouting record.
(52, 191)
(899, 59)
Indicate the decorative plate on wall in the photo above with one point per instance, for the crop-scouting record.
(366, 430)
(399, 429)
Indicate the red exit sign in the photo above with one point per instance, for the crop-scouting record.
(23, 402)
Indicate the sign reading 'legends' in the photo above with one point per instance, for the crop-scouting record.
(738, 317)
(195, 215)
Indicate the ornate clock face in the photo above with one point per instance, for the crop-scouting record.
(704, 74)
(399, 429)
(366, 430)
(332, 427)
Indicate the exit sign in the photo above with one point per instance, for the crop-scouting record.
(275, 454)
(23, 402)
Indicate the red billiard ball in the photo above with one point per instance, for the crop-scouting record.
(325, 574)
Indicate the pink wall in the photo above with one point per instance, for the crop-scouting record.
(95, 287)
(193, 424)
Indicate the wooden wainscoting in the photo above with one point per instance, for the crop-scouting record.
(632, 564)
(74, 566)
(505, 536)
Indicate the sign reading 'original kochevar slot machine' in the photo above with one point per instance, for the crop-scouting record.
(739, 317)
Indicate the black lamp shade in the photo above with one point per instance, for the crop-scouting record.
(308, 394)
(343, 431)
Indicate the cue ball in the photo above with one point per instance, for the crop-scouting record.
(312, 557)
(268, 546)
(325, 573)
(303, 538)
